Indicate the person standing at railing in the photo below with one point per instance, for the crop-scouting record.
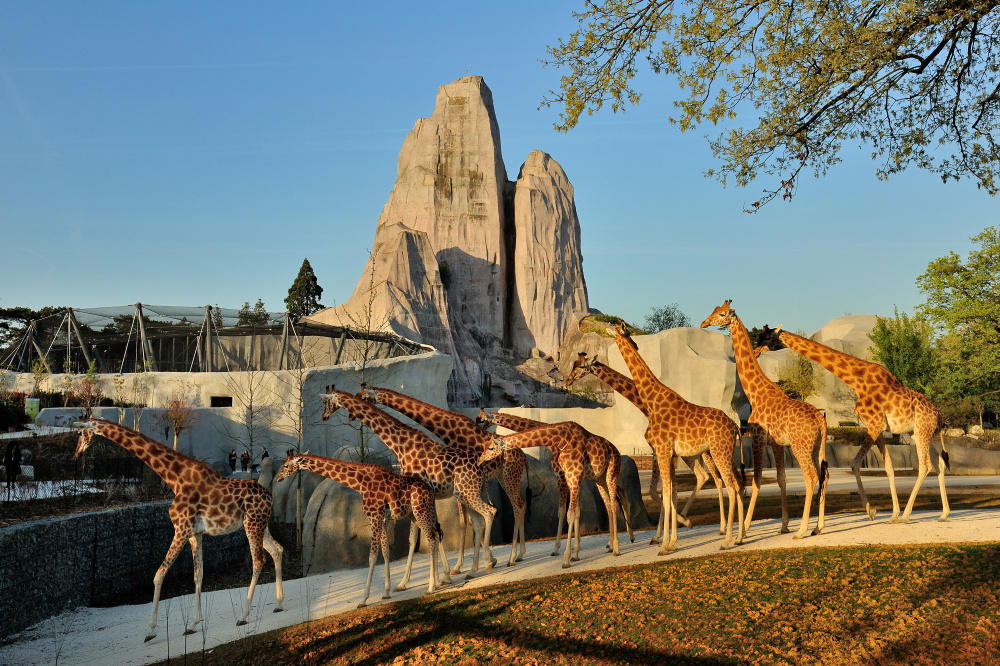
(12, 465)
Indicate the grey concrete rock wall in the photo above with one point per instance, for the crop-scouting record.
(48, 566)
(551, 291)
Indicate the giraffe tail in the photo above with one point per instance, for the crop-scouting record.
(527, 495)
(620, 496)
(944, 454)
(440, 533)
(823, 466)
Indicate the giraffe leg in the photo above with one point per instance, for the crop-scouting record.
(924, 461)
(180, 536)
(372, 559)
(811, 477)
(654, 481)
(277, 553)
(611, 505)
(572, 522)
(563, 499)
(779, 468)
(890, 473)
(673, 509)
(758, 468)
(461, 542)
(482, 519)
(445, 577)
(255, 535)
(734, 498)
(512, 488)
(714, 471)
(659, 524)
(414, 528)
(700, 477)
(385, 554)
(199, 570)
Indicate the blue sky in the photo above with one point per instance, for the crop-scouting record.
(193, 153)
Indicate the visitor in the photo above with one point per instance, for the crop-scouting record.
(245, 460)
(12, 464)
(232, 460)
(265, 455)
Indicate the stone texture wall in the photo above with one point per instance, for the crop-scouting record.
(48, 566)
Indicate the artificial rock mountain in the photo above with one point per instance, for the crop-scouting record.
(465, 260)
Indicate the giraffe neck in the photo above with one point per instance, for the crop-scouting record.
(758, 388)
(390, 430)
(550, 435)
(619, 382)
(453, 429)
(647, 384)
(168, 464)
(851, 370)
(514, 422)
(351, 474)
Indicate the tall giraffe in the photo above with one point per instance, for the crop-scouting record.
(678, 427)
(582, 455)
(517, 424)
(450, 471)
(204, 503)
(384, 495)
(698, 464)
(787, 422)
(882, 400)
(459, 430)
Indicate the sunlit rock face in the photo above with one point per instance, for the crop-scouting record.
(465, 260)
(551, 292)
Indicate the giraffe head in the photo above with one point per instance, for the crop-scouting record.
(580, 368)
(768, 340)
(497, 447)
(331, 401)
(721, 316)
(87, 431)
(622, 332)
(292, 465)
(368, 394)
(484, 420)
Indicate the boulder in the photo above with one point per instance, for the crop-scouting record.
(954, 432)
(551, 292)
(631, 487)
(336, 533)
(447, 515)
(976, 431)
(283, 509)
(266, 476)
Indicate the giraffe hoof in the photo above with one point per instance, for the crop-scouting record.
(575, 558)
(632, 538)
(894, 520)
(362, 605)
(817, 532)
(943, 519)
(188, 632)
(654, 542)
(554, 553)
(784, 530)
(386, 596)
(241, 623)
(798, 536)
(278, 610)
(666, 550)
(871, 514)
(148, 638)
(400, 588)
(519, 559)
(565, 565)
(446, 581)
(469, 576)
(905, 520)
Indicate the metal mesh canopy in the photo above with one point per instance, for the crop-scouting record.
(111, 316)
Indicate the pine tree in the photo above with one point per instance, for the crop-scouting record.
(304, 294)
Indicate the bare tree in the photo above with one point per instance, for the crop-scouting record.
(252, 398)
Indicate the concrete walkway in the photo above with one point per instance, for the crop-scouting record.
(115, 635)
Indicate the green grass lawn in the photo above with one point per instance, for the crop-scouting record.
(859, 605)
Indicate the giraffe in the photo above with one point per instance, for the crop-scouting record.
(204, 503)
(678, 427)
(384, 495)
(698, 464)
(778, 418)
(582, 455)
(450, 471)
(882, 400)
(517, 424)
(459, 430)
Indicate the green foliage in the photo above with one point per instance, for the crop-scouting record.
(905, 78)
(304, 294)
(906, 348)
(612, 319)
(963, 299)
(664, 317)
(256, 317)
(14, 321)
(852, 435)
(798, 378)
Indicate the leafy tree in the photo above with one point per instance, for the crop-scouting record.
(798, 378)
(256, 317)
(662, 318)
(304, 294)
(906, 348)
(14, 321)
(963, 299)
(905, 78)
